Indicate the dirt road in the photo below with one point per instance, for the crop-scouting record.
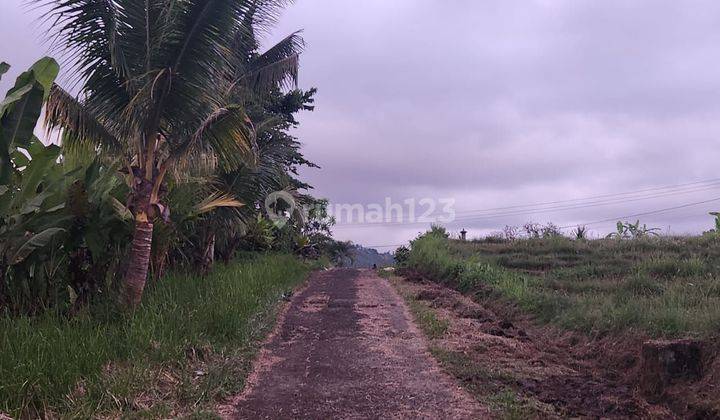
(347, 348)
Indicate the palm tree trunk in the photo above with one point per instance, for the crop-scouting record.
(208, 257)
(3, 270)
(138, 262)
(139, 258)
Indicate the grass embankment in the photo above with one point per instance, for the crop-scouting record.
(189, 344)
(665, 286)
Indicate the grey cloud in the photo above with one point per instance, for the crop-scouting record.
(512, 101)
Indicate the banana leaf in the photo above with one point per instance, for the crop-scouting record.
(35, 241)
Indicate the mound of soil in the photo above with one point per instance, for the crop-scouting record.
(569, 374)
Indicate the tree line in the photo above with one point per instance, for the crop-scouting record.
(177, 133)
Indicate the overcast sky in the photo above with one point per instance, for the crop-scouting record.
(500, 103)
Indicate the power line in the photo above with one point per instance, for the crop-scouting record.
(386, 246)
(612, 219)
(666, 187)
(586, 205)
(539, 210)
(683, 188)
(647, 213)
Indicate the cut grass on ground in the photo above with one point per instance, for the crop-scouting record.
(431, 325)
(429, 322)
(187, 346)
(665, 286)
(491, 388)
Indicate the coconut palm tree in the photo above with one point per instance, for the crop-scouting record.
(278, 158)
(161, 83)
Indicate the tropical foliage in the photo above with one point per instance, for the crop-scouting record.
(628, 230)
(178, 132)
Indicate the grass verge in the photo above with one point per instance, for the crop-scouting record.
(430, 324)
(492, 388)
(189, 344)
(662, 286)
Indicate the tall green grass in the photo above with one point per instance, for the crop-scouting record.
(663, 286)
(101, 362)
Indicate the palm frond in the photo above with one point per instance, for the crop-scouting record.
(217, 200)
(89, 34)
(264, 14)
(78, 123)
(276, 67)
(229, 134)
(289, 46)
(198, 165)
(198, 52)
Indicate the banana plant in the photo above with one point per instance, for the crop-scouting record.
(627, 230)
(98, 228)
(31, 219)
(28, 171)
(20, 110)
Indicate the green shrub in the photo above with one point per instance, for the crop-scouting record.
(402, 254)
